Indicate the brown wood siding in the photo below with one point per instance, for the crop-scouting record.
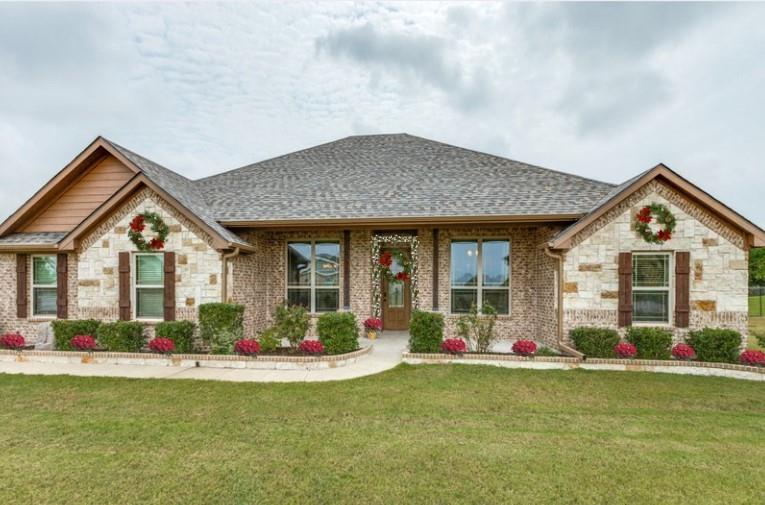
(169, 286)
(21, 286)
(124, 268)
(62, 285)
(79, 200)
(625, 289)
(682, 288)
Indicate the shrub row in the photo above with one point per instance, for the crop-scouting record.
(709, 344)
(121, 336)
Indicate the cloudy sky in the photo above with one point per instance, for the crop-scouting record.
(601, 90)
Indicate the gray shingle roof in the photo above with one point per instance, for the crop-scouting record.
(390, 176)
(180, 188)
(38, 238)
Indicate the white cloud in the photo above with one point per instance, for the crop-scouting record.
(601, 90)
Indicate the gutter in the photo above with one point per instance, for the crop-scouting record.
(564, 347)
(224, 273)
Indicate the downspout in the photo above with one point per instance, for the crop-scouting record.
(224, 274)
(564, 347)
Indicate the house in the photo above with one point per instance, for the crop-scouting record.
(549, 251)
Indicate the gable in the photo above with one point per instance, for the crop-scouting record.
(81, 198)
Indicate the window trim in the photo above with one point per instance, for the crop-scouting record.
(312, 287)
(135, 286)
(42, 286)
(670, 289)
(479, 286)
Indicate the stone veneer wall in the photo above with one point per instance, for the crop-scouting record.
(719, 264)
(198, 265)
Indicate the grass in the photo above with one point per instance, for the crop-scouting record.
(757, 306)
(756, 325)
(427, 434)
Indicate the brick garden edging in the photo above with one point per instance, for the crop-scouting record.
(571, 363)
(187, 360)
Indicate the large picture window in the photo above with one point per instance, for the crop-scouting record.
(44, 293)
(149, 286)
(313, 275)
(651, 292)
(480, 275)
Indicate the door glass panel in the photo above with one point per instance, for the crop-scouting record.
(496, 263)
(327, 264)
(464, 263)
(395, 294)
(299, 264)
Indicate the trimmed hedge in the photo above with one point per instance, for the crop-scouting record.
(715, 344)
(595, 342)
(651, 343)
(338, 332)
(65, 329)
(426, 331)
(180, 332)
(121, 336)
(221, 325)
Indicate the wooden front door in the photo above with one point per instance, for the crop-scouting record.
(396, 300)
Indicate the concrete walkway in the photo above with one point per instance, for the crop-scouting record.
(386, 354)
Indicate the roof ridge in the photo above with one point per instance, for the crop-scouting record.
(123, 148)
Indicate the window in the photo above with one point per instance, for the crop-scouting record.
(480, 275)
(149, 286)
(313, 275)
(651, 293)
(44, 284)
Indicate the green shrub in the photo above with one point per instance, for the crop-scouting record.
(65, 329)
(595, 342)
(651, 343)
(426, 331)
(715, 344)
(546, 351)
(291, 323)
(180, 332)
(268, 340)
(338, 332)
(478, 329)
(221, 325)
(122, 336)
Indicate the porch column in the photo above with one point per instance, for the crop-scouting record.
(347, 269)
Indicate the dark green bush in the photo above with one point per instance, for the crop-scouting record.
(338, 332)
(426, 331)
(715, 344)
(180, 332)
(651, 343)
(221, 325)
(269, 341)
(595, 342)
(292, 323)
(65, 329)
(122, 336)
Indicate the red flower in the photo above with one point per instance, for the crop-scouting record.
(83, 342)
(247, 347)
(625, 350)
(524, 347)
(644, 216)
(386, 259)
(752, 358)
(402, 276)
(683, 351)
(156, 244)
(12, 341)
(311, 347)
(453, 346)
(162, 345)
(664, 235)
(373, 323)
(137, 224)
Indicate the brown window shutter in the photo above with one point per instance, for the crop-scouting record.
(21, 286)
(625, 289)
(169, 286)
(62, 286)
(682, 288)
(124, 268)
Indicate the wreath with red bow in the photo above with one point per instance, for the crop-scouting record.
(663, 216)
(386, 260)
(158, 227)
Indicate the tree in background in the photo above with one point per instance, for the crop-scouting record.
(757, 267)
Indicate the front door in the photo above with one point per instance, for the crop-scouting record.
(396, 300)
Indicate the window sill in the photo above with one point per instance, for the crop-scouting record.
(41, 319)
(645, 324)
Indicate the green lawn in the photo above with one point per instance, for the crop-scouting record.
(756, 325)
(756, 306)
(428, 434)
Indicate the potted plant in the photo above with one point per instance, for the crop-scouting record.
(683, 352)
(247, 347)
(625, 350)
(373, 325)
(311, 347)
(524, 347)
(453, 346)
(162, 345)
